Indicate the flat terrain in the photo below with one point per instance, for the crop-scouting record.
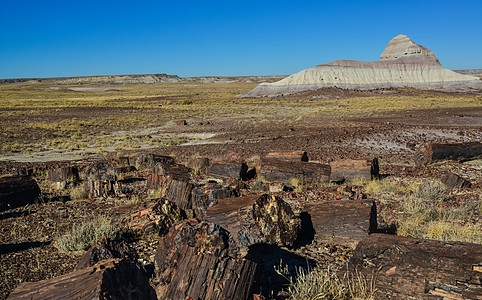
(46, 123)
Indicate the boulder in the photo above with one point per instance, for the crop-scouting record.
(349, 169)
(108, 279)
(410, 268)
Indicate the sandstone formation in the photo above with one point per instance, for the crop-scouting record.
(403, 63)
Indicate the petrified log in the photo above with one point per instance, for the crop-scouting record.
(434, 152)
(348, 169)
(288, 155)
(64, 175)
(102, 188)
(16, 191)
(409, 268)
(175, 187)
(200, 261)
(207, 195)
(257, 219)
(221, 169)
(344, 222)
(109, 279)
(305, 172)
(154, 216)
(151, 162)
(105, 249)
(452, 180)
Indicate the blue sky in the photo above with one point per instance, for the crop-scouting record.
(194, 38)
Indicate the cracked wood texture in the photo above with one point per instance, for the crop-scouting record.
(410, 268)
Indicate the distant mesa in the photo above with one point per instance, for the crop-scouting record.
(403, 63)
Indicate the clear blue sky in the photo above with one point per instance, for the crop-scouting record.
(193, 38)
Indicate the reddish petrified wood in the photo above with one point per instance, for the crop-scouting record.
(305, 172)
(207, 195)
(434, 152)
(288, 155)
(452, 180)
(109, 279)
(344, 222)
(16, 191)
(348, 169)
(176, 188)
(409, 268)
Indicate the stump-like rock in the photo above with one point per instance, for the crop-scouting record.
(199, 260)
(410, 268)
(207, 195)
(105, 249)
(109, 279)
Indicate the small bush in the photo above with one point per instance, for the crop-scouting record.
(327, 285)
(432, 190)
(79, 193)
(82, 236)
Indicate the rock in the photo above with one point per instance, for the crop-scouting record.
(409, 268)
(105, 249)
(17, 191)
(200, 166)
(402, 64)
(304, 172)
(108, 279)
(288, 155)
(181, 123)
(344, 222)
(199, 260)
(452, 180)
(257, 219)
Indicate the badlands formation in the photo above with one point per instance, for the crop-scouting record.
(403, 63)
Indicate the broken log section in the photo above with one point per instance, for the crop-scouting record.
(305, 172)
(344, 222)
(109, 279)
(434, 152)
(16, 191)
(410, 268)
(288, 155)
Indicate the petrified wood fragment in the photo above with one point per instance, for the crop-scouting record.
(16, 191)
(348, 169)
(452, 180)
(174, 187)
(434, 152)
(221, 169)
(207, 195)
(199, 260)
(105, 249)
(305, 172)
(109, 279)
(288, 155)
(344, 222)
(257, 219)
(409, 268)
